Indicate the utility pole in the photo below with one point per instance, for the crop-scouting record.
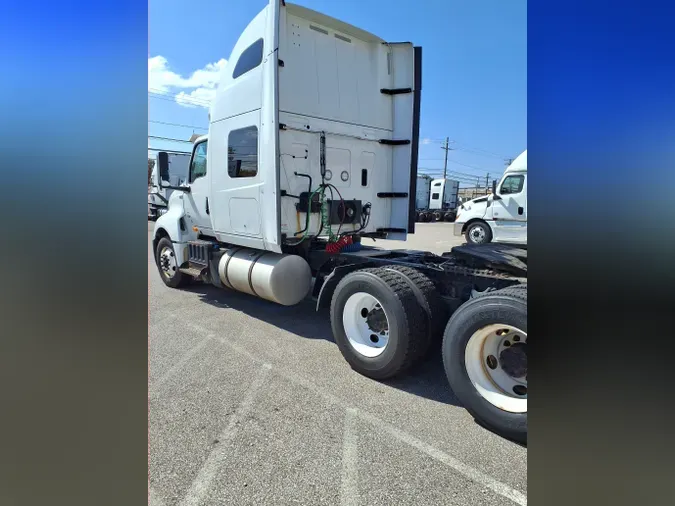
(445, 168)
(445, 165)
(487, 182)
(508, 161)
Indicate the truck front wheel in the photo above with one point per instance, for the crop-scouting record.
(478, 232)
(165, 257)
(378, 323)
(485, 359)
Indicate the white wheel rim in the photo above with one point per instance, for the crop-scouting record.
(477, 234)
(366, 324)
(496, 362)
(167, 262)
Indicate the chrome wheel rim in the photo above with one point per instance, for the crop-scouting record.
(167, 262)
(477, 234)
(366, 324)
(496, 363)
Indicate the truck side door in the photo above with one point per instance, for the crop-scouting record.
(196, 202)
(237, 180)
(510, 209)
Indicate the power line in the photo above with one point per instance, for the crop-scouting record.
(168, 139)
(457, 173)
(478, 153)
(172, 97)
(176, 95)
(168, 98)
(485, 151)
(177, 124)
(470, 166)
(461, 179)
(467, 147)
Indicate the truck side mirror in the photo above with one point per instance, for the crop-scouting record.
(494, 190)
(163, 165)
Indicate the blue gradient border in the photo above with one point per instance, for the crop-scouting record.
(73, 126)
(601, 132)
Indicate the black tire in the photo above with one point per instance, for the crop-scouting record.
(470, 236)
(430, 300)
(507, 306)
(178, 279)
(408, 322)
(451, 216)
(437, 216)
(521, 287)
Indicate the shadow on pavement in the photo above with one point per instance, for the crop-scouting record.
(425, 380)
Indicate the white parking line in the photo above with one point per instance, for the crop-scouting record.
(469, 472)
(181, 363)
(349, 494)
(465, 470)
(218, 456)
(462, 468)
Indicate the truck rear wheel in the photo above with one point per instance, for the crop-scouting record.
(429, 298)
(165, 257)
(478, 232)
(485, 360)
(378, 323)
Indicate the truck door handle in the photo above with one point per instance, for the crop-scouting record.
(520, 210)
(207, 206)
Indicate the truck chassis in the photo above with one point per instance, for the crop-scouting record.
(408, 300)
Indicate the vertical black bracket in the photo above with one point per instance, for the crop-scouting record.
(322, 156)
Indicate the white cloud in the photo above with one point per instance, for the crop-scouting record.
(426, 141)
(202, 82)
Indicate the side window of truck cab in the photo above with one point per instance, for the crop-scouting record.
(198, 165)
(242, 152)
(512, 185)
(250, 58)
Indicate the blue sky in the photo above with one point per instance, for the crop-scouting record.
(474, 69)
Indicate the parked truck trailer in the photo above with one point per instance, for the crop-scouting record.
(312, 146)
(436, 199)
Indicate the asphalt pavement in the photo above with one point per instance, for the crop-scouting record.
(252, 403)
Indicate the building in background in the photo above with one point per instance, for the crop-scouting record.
(469, 193)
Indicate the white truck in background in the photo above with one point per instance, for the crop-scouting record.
(312, 145)
(501, 216)
(436, 199)
(176, 174)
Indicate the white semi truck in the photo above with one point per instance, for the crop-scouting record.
(436, 199)
(501, 216)
(313, 145)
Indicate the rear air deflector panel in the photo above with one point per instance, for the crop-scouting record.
(403, 122)
(417, 96)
